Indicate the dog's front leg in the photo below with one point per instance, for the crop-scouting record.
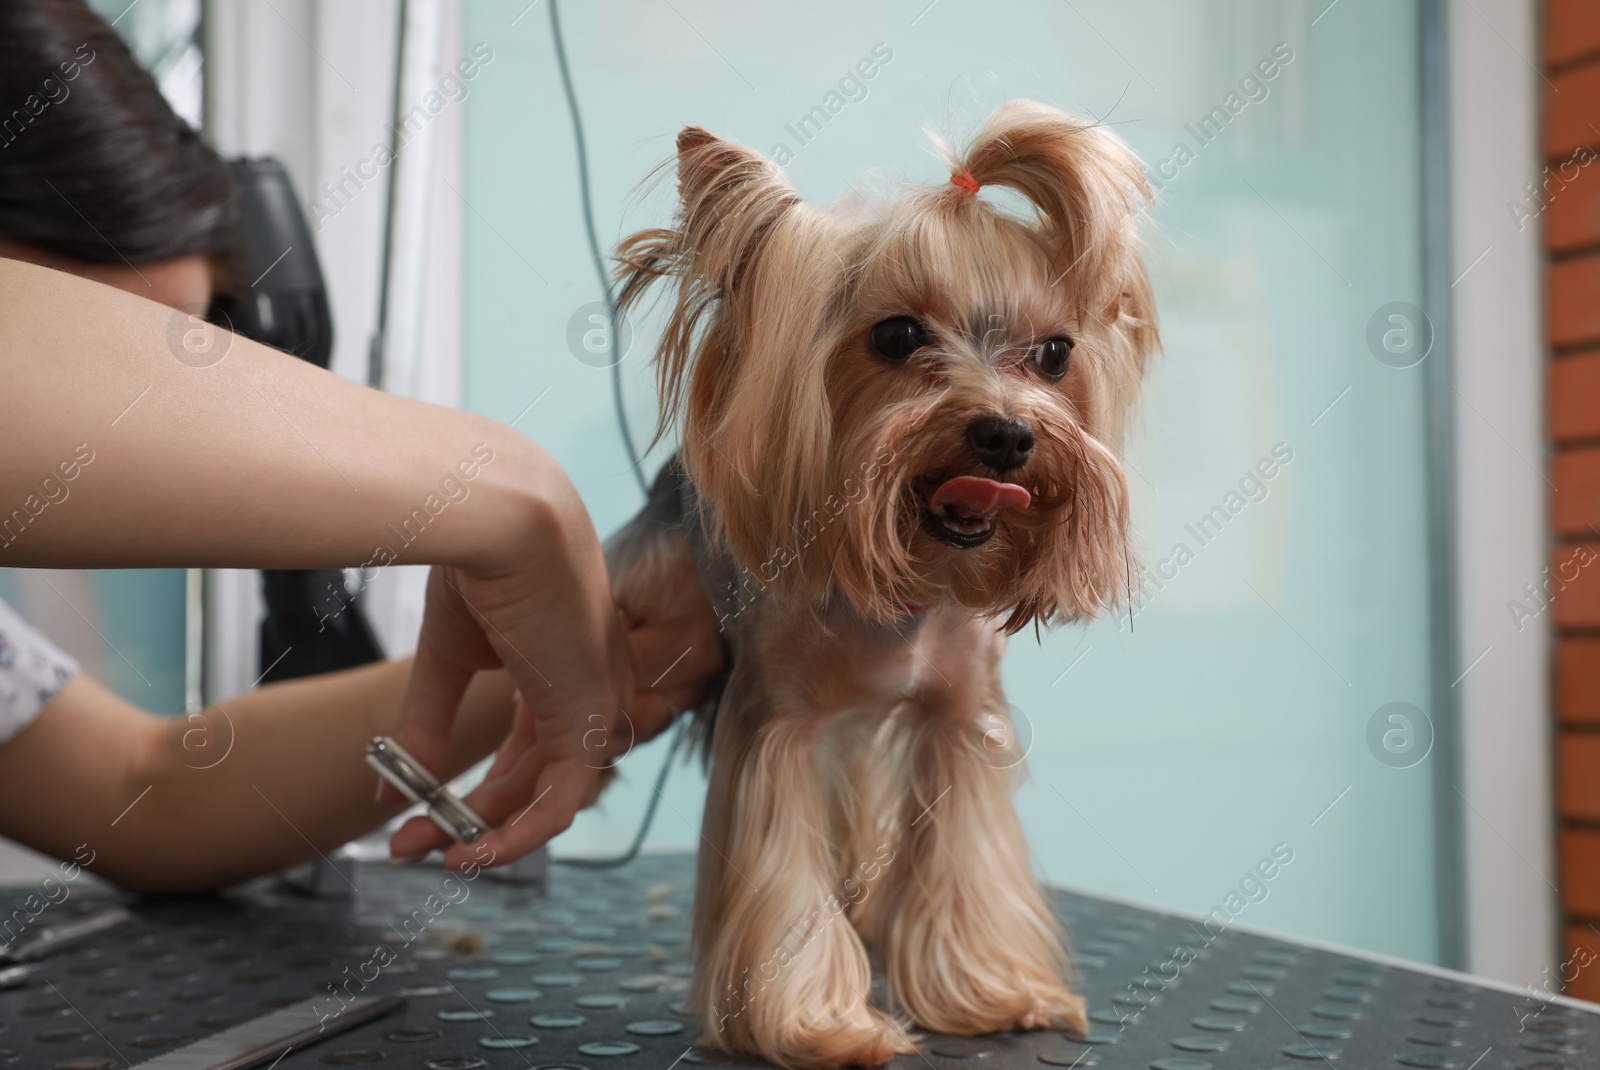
(780, 972)
(969, 944)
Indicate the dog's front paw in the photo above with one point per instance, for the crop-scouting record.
(969, 1011)
(1056, 1007)
(864, 1037)
(872, 1039)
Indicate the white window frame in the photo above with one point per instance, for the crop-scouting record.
(311, 82)
(1502, 785)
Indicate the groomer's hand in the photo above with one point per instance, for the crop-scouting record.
(666, 663)
(544, 612)
(676, 656)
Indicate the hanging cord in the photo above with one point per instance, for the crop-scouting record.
(622, 425)
(594, 250)
(376, 346)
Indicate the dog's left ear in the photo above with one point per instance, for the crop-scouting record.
(1085, 182)
(1089, 190)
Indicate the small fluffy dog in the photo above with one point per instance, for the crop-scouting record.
(899, 424)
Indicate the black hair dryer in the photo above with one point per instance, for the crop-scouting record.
(312, 624)
(281, 299)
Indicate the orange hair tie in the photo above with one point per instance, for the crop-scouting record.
(965, 180)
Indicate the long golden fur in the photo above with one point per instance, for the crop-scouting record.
(862, 761)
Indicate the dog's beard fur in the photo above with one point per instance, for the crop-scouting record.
(783, 408)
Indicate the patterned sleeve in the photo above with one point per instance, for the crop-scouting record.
(32, 671)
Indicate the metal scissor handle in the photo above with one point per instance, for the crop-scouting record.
(420, 786)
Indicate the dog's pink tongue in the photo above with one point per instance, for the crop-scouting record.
(976, 496)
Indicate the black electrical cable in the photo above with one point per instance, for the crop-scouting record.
(377, 346)
(622, 424)
(594, 250)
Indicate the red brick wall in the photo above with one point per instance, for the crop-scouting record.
(1571, 228)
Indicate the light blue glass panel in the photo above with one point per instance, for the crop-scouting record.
(125, 626)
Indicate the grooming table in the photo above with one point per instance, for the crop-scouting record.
(592, 974)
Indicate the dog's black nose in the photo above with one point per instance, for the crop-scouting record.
(1002, 442)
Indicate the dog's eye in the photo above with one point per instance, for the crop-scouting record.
(897, 338)
(1051, 357)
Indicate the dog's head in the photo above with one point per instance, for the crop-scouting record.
(918, 401)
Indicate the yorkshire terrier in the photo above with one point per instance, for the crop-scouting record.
(899, 424)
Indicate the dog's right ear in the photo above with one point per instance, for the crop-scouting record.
(729, 200)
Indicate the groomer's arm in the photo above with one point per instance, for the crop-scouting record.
(128, 438)
(119, 451)
(260, 782)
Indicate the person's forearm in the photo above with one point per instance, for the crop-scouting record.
(177, 804)
(132, 439)
(256, 460)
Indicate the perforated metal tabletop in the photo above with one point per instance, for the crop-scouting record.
(593, 972)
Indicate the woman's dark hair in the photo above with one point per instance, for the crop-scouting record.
(94, 164)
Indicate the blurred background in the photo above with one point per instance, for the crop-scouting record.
(1368, 249)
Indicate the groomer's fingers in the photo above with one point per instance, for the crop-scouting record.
(512, 787)
(414, 839)
(503, 797)
(450, 649)
(506, 785)
(508, 790)
(560, 791)
(428, 709)
(420, 834)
